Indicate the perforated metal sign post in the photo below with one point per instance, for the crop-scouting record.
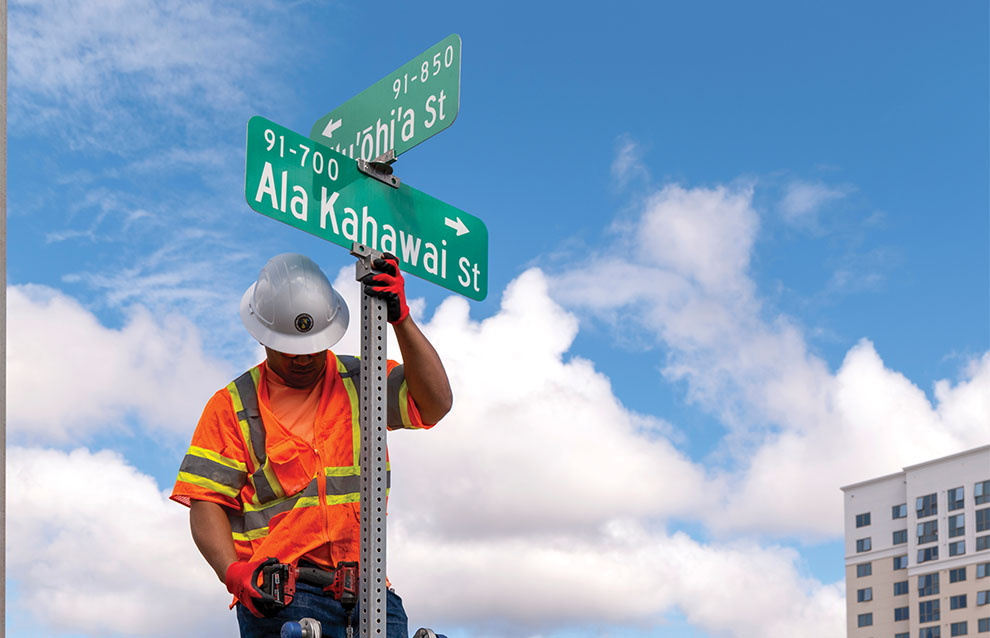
(374, 483)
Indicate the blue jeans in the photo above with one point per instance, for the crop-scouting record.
(311, 602)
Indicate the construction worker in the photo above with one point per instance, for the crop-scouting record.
(272, 475)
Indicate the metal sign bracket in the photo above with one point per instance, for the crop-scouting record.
(380, 168)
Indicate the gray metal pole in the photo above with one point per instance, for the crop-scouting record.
(374, 376)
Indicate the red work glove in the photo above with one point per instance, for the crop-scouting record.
(242, 581)
(388, 285)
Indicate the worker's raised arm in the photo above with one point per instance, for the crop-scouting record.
(424, 373)
(425, 376)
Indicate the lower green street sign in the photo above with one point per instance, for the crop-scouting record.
(309, 186)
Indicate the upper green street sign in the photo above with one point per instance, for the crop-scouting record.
(312, 187)
(411, 104)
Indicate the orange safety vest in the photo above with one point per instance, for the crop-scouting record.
(284, 496)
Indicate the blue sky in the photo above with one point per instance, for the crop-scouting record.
(738, 258)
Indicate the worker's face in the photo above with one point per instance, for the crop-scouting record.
(297, 370)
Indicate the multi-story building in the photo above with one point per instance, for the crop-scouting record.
(918, 550)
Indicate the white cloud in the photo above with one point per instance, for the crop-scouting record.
(68, 376)
(540, 479)
(797, 429)
(533, 434)
(627, 166)
(802, 202)
(87, 70)
(624, 577)
(703, 235)
(94, 548)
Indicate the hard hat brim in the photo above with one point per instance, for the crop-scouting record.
(295, 344)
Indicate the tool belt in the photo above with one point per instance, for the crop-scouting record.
(312, 574)
(278, 583)
(341, 582)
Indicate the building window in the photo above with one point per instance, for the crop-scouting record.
(928, 585)
(864, 569)
(983, 625)
(982, 543)
(926, 505)
(928, 611)
(864, 595)
(865, 620)
(900, 613)
(957, 575)
(983, 519)
(957, 525)
(981, 492)
(930, 632)
(957, 549)
(927, 554)
(900, 562)
(863, 544)
(900, 588)
(958, 629)
(900, 537)
(862, 520)
(899, 511)
(983, 570)
(957, 602)
(983, 597)
(903, 635)
(955, 498)
(927, 532)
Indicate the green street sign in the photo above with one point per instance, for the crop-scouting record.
(411, 104)
(312, 187)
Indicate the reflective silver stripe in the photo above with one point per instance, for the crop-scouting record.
(216, 472)
(256, 428)
(352, 365)
(251, 414)
(241, 523)
(395, 380)
(236, 521)
(340, 485)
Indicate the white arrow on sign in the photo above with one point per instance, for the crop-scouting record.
(456, 225)
(331, 127)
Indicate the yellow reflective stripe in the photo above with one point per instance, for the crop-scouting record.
(256, 507)
(352, 394)
(273, 480)
(307, 501)
(350, 470)
(235, 399)
(404, 405)
(245, 427)
(266, 468)
(216, 458)
(341, 499)
(200, 481)
(347, 470)
(250, 535)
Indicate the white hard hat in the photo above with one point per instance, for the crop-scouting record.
(292, 308)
